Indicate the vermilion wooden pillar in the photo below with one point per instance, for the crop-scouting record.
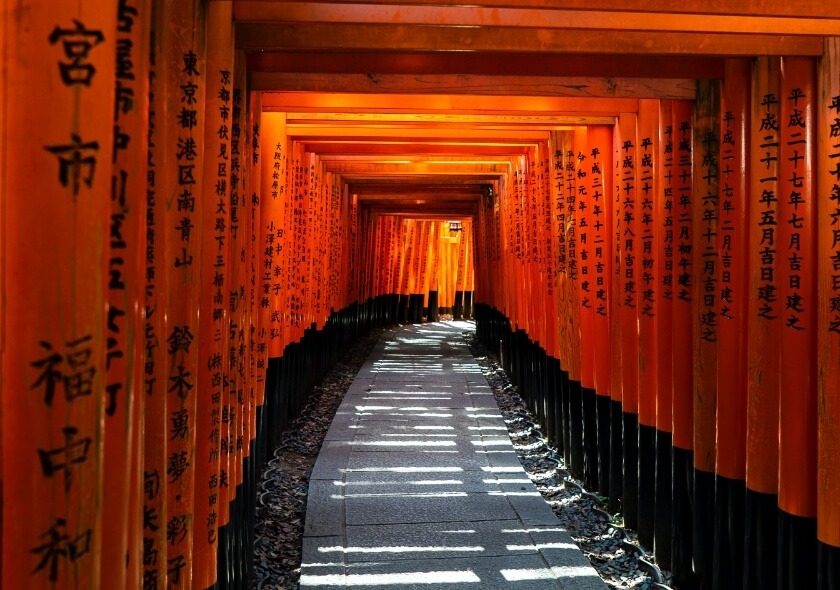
(616, 293)
(664, 245)
(682, 403)
(647, 288)
(122, 507)
(797, 253)
(763, 312)
(159, 176)
(627, 140)
(705, 208)
(601, 179)
(215, 281)
(828, 320)
(732, 265)
(573, 315)
(185, 75)
(56, 202)
(585, 237)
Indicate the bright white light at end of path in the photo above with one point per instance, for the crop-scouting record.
(400, 549)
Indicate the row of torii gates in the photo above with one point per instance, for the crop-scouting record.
(179, 269)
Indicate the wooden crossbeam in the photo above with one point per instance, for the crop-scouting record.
(274, 36)
(487, 64)
(590, 87)
(700, 21)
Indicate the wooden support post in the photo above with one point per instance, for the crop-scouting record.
(122, 508)
(58, 117)
(215, 281)
(732, 265)
(762, 457)
(627, 171)
(705, 203)
(616, 291)
(682, 404)
(797, 252)
(601, 179)
(828, 320)
(646, 279)
(664, 246)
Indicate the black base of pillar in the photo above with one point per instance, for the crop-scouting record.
(576, 428)
(682, 506)
(616, 457)
(647, 484)
(828, 567)
(631, 470)
(565, 419)
(590, 438)
(603, 411)
(704, 527)
(662, 516)
(402, 309)
(760, 540)
(434, 313)
(458, 306)
(729, 533)
(468, 305)
(797, 554)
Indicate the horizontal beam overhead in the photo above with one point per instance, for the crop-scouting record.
(411, 149)
(477, 84)
(271, 36)
(487, 64)
(449, 104)
(801, 8)
(403, 13)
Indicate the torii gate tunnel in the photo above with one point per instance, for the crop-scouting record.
(204, 202)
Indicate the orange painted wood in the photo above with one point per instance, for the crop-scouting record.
(262, 36)
(495, 85)
(185, 74)
(706, 205)
(684, 279)
(664, 244)
(828, 293)
(56, 203)
(161, 176)
(807, 8)
(216, 280)
(763, 303)
(628, 181)
(573, 269)
(601, 177)
(122, 541)
(585, 258)
(797, 249)
(253, 196)
(732, 268)
(616, 288)
(535, 64)
(645, 259)
(273, 240)
(549, 17)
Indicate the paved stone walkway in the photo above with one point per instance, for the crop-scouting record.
(417, 484)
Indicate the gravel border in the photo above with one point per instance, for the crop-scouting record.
(283, 487)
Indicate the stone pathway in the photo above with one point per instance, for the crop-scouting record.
(417, 484)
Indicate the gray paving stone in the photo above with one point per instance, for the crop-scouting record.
(418, 486)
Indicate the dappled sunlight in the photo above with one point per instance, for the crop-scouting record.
(555, 573)
(408, 578)
(400, 549)
(393, 516)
